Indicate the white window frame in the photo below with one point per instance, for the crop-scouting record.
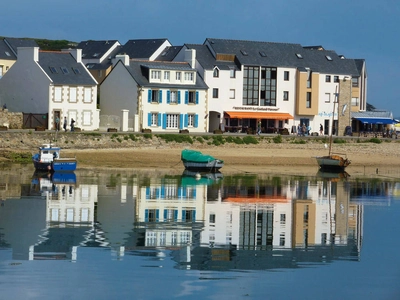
(87, 95)
(172, 121)
(215, 93)
(57, 94)
(154, 119)
(232, 73)
(190, 120)
(86, 118)
(327, 98)
(166, 75)
(232, 93)
(155, 74)
(173, 97)
(189, 76)
(178, 76)
(72, 95)
(285, 95)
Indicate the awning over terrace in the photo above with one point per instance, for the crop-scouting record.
(258, 115)
(376, 120)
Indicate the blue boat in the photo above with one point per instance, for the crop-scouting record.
(48, 159)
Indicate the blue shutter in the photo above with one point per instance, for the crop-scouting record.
(157, 215)
(149, 96)
(183, 215)
(163, 192)
(185, 193)
(186, 120)
(168, 97)
(180, 192)
(194, 215)
(181, 121)
(159, 120)
(164, 121)
(165, 214)
(149, 119)
(196, 120)
(147, 192)
(175, 215)
(179, 97)
(194, 193)
(146, 215)
(197, 97)
(160, 96)
(186, 97)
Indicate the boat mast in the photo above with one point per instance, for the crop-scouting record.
(333, 121)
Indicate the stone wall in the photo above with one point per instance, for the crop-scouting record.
(12, 120)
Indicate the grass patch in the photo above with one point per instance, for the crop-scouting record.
(250, 140)
(374, 140)
(92, 134)
(178, 138)
(339, 141)
(19, 157)
(132, 137)
(277, 139)
(300, 141)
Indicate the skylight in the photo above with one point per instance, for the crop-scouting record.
(96, 54)
(244, 52)
(64, 70)
(76, 70)
(263, 54)
(299, 55)
(328, 57)
(53, 70)
(8, 53)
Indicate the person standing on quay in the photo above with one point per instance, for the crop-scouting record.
(65, 124)
(72, 124)
(321, 129)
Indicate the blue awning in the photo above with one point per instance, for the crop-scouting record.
(376, 120)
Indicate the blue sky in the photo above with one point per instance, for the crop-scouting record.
(357, 29)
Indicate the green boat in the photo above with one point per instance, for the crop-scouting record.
(196, 161)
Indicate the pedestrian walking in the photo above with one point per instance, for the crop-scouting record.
(65, 124)
(72, 124)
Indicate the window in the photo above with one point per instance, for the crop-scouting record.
(72, 94)
(154, 119)
(7, 53)
(335, 78)
(178, 76)
(282, 239)
(309, 78)
(328, 57)
(57, 94)
(232, 73)
(76, 70)
(308, 100)
(327, 97)
(155, 74)
(215, 93)
(212, 218)
(189, 76)
(231, 94)
(268, 86)
(216, 72)
(263, 54)
(172, 121)
(99, 73)
(85, 215)
(285, 95)
(299, 55)
(355, 102)
(328, 78)
(53, 70)
(64, 70)
(70, 215)
(244, 52)
(87, 95)
(190, 120)
(173, 97)
(155, 96)
(283, 219)
(286, 75)
(192, 97)
(87, 118)
(354, 81)
(166, 75)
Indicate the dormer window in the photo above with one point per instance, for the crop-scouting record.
(189, 76)
(166, 75)
(155, 74)
(216, 72)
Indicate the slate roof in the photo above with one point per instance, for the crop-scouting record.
(169, 53)
(95, 49)
(14, 43)
(139, 70)
(105, 64)
(207, 60)
(5, 52)
(285, 55)
(76, 73)
(141, 49)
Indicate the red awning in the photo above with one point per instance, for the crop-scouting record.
(258, 115)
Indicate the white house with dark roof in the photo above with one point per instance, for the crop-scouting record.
(54, 84)
(161, 96)
(146, 49)
(280, 85)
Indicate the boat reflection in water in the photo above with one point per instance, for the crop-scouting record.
(215, 223)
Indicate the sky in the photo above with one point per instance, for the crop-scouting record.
(364, 29)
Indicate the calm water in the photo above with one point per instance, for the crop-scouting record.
(144, 235)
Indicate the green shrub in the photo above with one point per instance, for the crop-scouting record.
(178, 138)
(147, 135)
(119, 139)
(250, 140)
(339, 141)
(132, 137)
(200, 139)
(277, 139)
(126, 137)
(375, 140)
(300, 141)
(218, 139)
(114, 135)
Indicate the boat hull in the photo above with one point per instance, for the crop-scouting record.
(332, 162)
(59, 165)
(210, 166)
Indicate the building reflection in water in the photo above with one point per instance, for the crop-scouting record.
(210, 222)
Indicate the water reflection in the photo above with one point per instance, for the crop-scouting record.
(202, 221)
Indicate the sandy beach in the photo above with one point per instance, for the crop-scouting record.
(366, 158)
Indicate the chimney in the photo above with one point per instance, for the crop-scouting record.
(76, 53)
(28, 53)
(121, 57)
(190, 57)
